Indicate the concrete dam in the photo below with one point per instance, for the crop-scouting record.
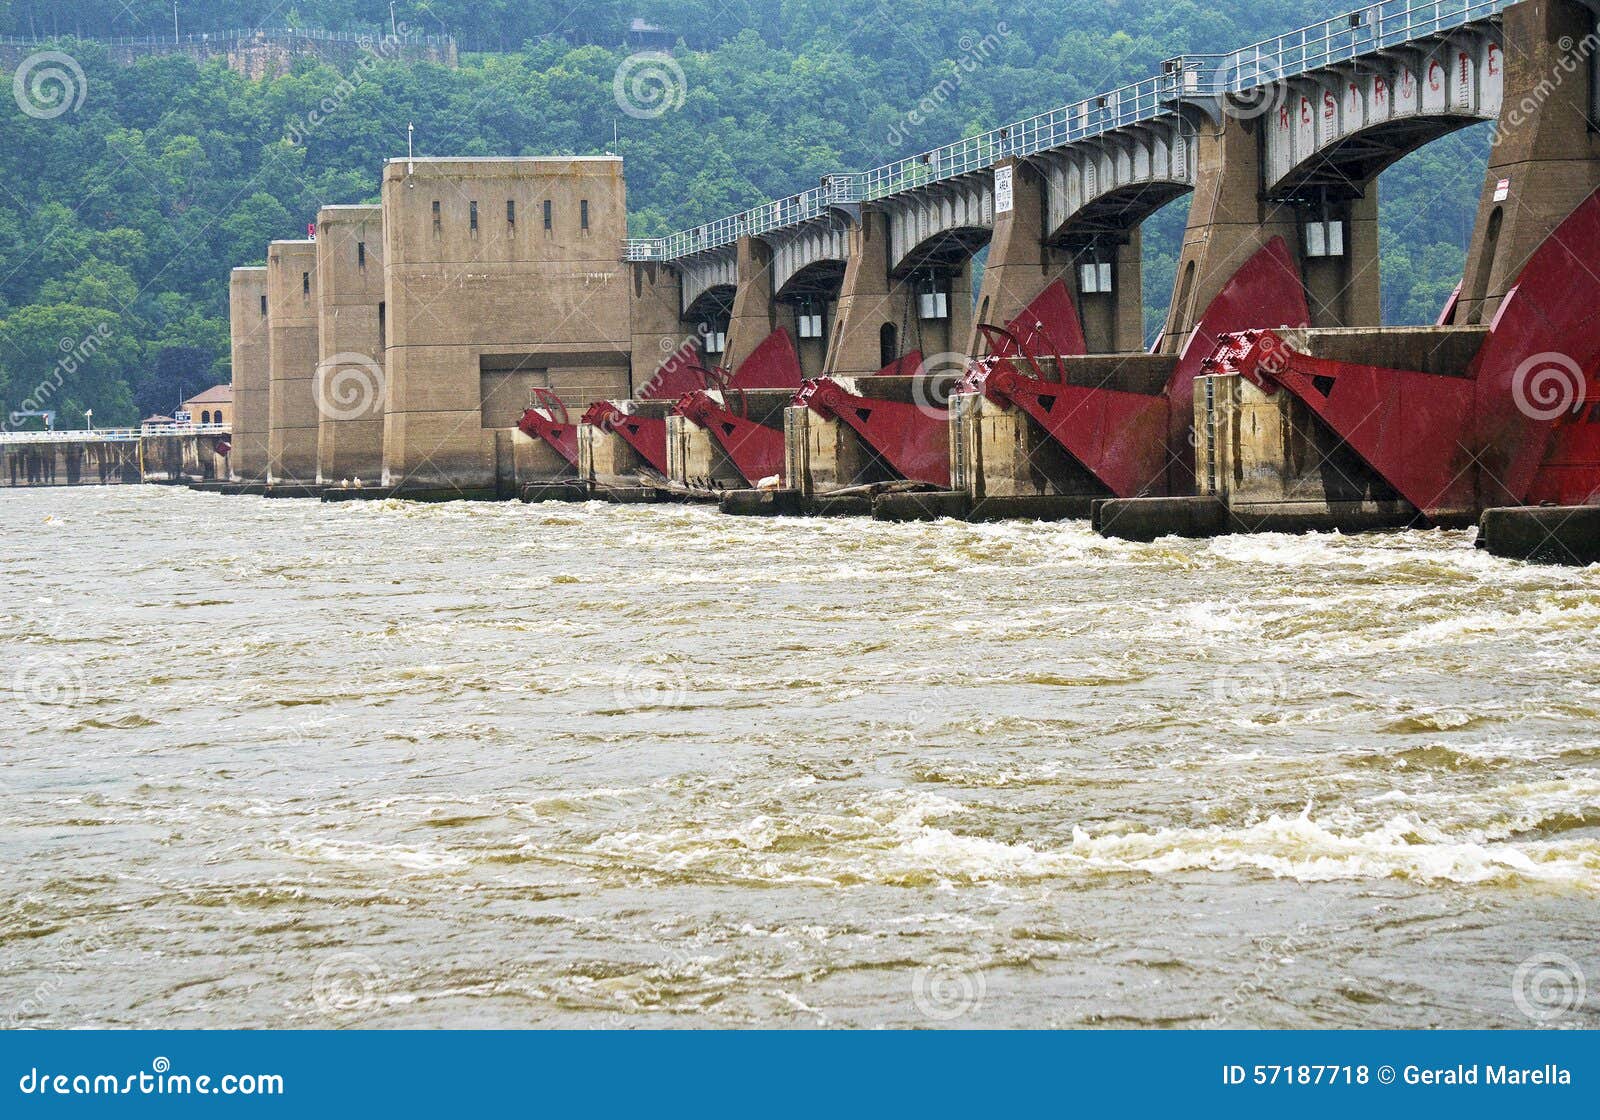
(490, 330)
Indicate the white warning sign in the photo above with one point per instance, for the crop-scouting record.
(1002, 189)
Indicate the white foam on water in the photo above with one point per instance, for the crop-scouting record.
(360, 853)
(1294, 847)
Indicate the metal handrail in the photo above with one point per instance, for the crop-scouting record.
(115, 435)
(1363, 31)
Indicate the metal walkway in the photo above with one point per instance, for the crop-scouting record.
(112, 435)
(1193, 78)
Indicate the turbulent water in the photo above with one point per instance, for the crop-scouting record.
(278, 763)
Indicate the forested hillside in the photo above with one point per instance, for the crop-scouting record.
(129, 209)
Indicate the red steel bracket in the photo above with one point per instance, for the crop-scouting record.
(756, 450)
(1412, 428)
(913, 439)
(773, 364)
(1536, 374)
(645, 434)
(547, 420)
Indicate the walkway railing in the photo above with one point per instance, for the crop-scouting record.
(115, 435)
(1360, 32)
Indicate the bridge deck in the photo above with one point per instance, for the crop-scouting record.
(1366, 31)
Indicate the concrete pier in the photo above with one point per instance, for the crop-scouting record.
(655, 327)
(1545, 160)
(84, 462)
(1544, 534)
(114, 457)
(501, 275)
(247, 319)
(350, 386)
(292, 355)
(607, 460)
(701, 459)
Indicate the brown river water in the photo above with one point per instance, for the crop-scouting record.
(285, 764)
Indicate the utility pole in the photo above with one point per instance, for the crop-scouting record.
(174, 22)
(392, 30)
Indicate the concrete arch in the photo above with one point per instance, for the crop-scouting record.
(1110, 185)
(808, 255)
(713, 304)
(819, 279)
(941, 225)
(704, 272)
(1330, 132)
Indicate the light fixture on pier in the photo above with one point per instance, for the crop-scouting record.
(808, 318)
(1094, 277)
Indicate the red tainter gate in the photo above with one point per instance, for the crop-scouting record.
(1523, 427)
(755, 449)
(547, 420)
(1139, 443)
(914, 438)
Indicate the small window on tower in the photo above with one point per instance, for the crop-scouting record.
(305, 283)
(263, 305)
(361, 254)
(511, 212)
(547, 210)
(436, 222)
(472, 216)
(583, 214)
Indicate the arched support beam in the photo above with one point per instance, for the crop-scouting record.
(1023, 261)
(1232, 217)
(1331, 131)
(879, 315)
